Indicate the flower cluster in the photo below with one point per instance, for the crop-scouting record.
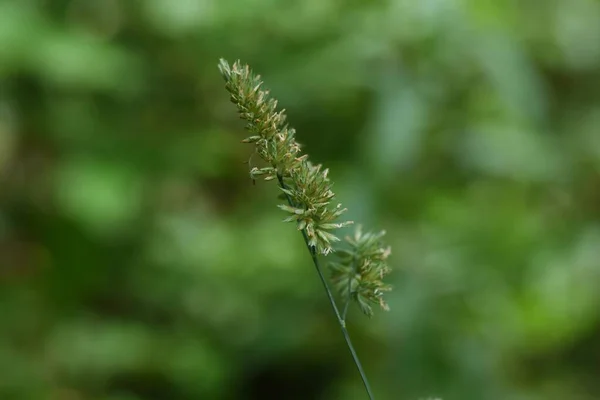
(358, 274)
(359, 271)
(273, 138)
(306, 186)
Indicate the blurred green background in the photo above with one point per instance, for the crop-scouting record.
(138, 261)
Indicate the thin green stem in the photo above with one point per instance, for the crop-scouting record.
(341, 321)
(346, 305)
(349, 298)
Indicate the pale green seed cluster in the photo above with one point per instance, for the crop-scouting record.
(307, 186)
(358, 274)
(307, 189)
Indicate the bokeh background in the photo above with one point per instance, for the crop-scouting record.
(138, 261)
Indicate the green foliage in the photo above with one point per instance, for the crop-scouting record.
(136, 262)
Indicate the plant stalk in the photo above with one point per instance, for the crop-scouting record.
(341, 321)
(349, 298)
